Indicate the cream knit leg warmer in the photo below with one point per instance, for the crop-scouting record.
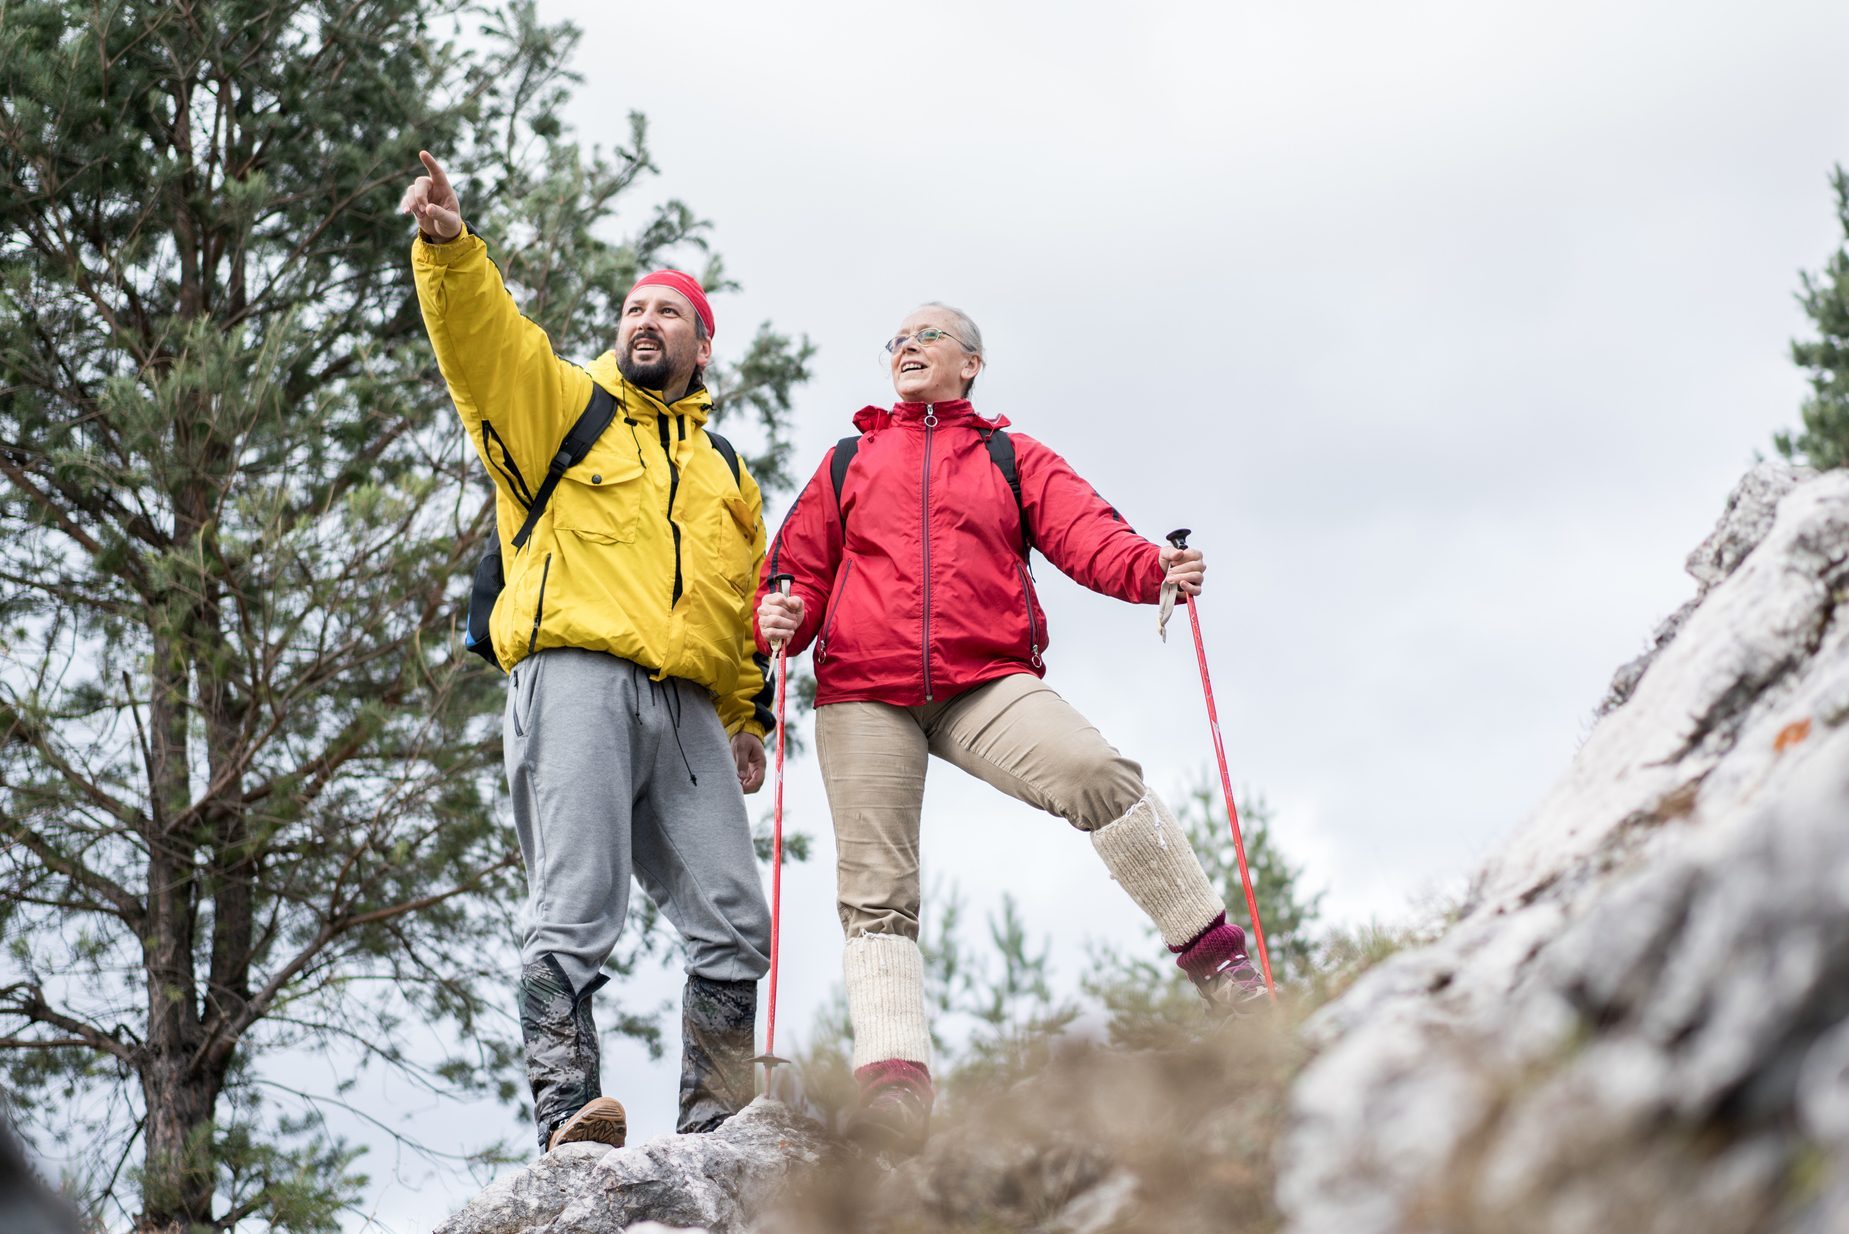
(1147, 851)
(885, 999)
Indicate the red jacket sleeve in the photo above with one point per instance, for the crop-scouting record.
(807, 546)
(1080, 532)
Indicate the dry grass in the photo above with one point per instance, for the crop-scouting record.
(1177, 1138)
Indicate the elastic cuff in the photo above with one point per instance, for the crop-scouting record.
(885, 999)
(1148, 853)
(905, 1073)
(1219, 945)
(447, 252)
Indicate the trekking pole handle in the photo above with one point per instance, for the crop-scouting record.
(782, 583)
(1179, 536)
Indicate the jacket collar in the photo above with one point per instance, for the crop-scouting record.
(697, 403)
(912, 415)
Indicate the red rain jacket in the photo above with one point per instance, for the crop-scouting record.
(929, 594)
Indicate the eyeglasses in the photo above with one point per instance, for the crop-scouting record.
(926, 336)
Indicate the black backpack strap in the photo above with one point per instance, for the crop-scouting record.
(727, 452)
(591, 423)
(1001, 452)
(845, 449)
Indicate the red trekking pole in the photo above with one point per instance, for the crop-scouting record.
(1179, 538)
(769, 1057)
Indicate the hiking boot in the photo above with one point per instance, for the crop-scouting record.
(562, 1063)
(1234, 989)
(895, 1108)
(602, 1121)
(1215, 961)
(718, 1030)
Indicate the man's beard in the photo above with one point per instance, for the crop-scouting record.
(649, 374)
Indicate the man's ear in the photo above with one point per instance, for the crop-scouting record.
(703, 353)
(972, 365)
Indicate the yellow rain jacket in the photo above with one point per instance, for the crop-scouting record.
(649, 549)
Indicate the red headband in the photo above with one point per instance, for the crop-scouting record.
(687, 286)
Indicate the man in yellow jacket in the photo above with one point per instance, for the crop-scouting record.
(636, 701)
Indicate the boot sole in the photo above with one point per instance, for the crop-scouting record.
(602, 1121)
(888, 1134)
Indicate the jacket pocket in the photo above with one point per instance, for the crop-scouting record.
(1033, 623)
(834, 611)
(603, 497)
(740, 510)
(737, 537)
(523, 686)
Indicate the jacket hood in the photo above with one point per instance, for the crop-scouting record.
(696, 403)
(949, 412)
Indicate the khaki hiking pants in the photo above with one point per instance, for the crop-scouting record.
(1015, 733)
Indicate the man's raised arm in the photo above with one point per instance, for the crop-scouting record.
(500, 366)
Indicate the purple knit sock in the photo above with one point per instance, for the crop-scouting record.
(1211, 949)
(901, 1073)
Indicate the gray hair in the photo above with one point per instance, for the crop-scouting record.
(969, 334)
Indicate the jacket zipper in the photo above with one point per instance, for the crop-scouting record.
(828, 626)
(539, 608)
(924, 498)
(674, 487)
(1033, 627)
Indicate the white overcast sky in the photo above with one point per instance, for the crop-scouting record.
(1447, 326)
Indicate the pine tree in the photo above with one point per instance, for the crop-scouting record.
(247, 778)
(1824, 440)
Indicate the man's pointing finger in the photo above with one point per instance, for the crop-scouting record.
(438, 181)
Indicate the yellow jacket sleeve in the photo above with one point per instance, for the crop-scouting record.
(516, 398)
(748, 708)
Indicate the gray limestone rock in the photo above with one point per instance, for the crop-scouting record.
(1743, 524)
(1640, 1021)
(712, 1182)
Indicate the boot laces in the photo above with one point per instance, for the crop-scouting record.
(1233, 984)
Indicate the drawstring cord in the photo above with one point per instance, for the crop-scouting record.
(656, 689)
(674, 717)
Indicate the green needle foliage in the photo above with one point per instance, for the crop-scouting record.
(1824, 440)
(248, 781)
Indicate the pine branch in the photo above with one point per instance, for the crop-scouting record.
(223, 1037)
(123, 904)
(28, 1001)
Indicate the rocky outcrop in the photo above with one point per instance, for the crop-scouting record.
(1640, 1019)
(1750, 510)
(713, 1182)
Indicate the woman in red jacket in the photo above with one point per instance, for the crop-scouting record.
(910, 576)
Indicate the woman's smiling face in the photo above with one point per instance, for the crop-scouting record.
(933, 372)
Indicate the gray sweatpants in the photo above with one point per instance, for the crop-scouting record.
(602, 764)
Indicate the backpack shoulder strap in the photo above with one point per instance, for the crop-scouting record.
(591, 423)
(728, 452)
(1001, 452)
(845, 449)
